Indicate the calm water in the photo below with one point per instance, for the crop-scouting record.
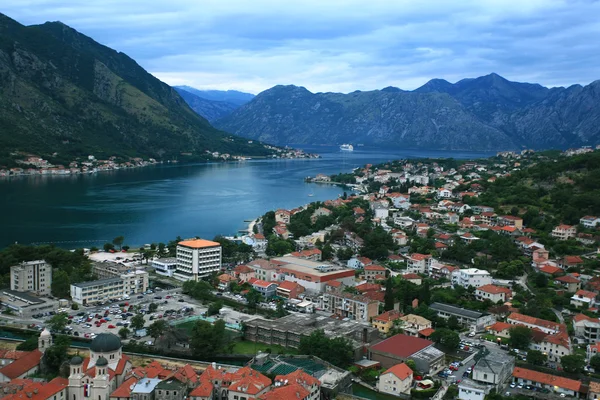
(157, 204)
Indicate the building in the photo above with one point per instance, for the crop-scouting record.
(471, 277)
(310, 254)
(349, 305)
(24, 304)
(266, 289)
(594, 391)
(264, 270)
(493, 293)
(197, 258)
(108, 269)
(501, 329)
(397, 379)
(494, 369)
(468, 389)
(399, 348)
(545, 326)
(311, 275)
(289, 290)
(26, 363)
(418, 263)
(476, 321)
(243, 272)
(135, 282)
(584, 298)
(554, 346)
(171, 389)
(31, 276)
(97, 291)
(29, 389)
(564, 232)
(102, 372)
(569, 283)
(384, 322)
(375, 272)
(412, 324)
(586, 328)
(165, 266)
(144, 389)
(282, 216)
(298, 379)
(556, 384)
(589, 221)
(510, 220)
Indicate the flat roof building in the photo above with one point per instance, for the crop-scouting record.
(312, 275)
(165, 266)
(23, 303)
(31, 276)
(348, 305)
(475, 320)
(197, 258)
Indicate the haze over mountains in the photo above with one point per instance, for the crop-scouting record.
(61, 92)
(485, 113)
(213, 104)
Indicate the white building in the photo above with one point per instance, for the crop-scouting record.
(31, 276)
(493, 293)
(564, 232)
(197, 258)
(471, 277)
(589, 221)
(165, 266)
(418, 263)
(395, 380)
(115, 288)
(471, 390)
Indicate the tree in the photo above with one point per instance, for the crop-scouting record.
(61, 284)
(453, 323)
(108, 246)
(56, 355)
(410, 363)
(389, 297)
(327, 252)
(573, 363)
(74, 306)
(280, 311)
(253, 297)
(207, 340)
(157, 328)
(58, 322)
(153, 307)
(137, 322)
(338, 351)
(541, 280)
(345, 253)
(214, 308)
(536, 357)
(124, 332)
(29, 345)
(446, 337)
(118, 241)
(594, 362)
(520, 337)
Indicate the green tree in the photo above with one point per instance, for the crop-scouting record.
(153, 307)
(61, 284)
(345, 253)
(338, 351)
(520, 337)
(389, 296)
(410, 363)
(453, 323)
(157, 328)
(594, 362)
(573, 363)
(327, 252)
(108, 246)
(137, 322)
(74, 306)
(124, 332)
(207, 340)
(253, 297)
(280, 311)
(214, 308)
(536, 357)
(446, 337)
(28, 345)
(56, 355)
(118, 241)
(58, 322)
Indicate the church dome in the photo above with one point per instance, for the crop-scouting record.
(101, 362)
(45, 333)
(76, 360)
(105, 343)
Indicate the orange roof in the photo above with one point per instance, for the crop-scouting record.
(299, 377)
(261, 283)
(420, 257)
(198, 243)
(40, 390)
(493, 289)
(410, 276)
(509, 228)
(586, 294)
(242, 269)
(125, 389)
(401, 371)
(573, 260)
(526, 319)
(426, 332)
(374, 267)
(499, 327)
(253, 383)
(549, 269)
(259, 236)
(583, 317)
(567, 279)
(388, 316)
(204, 390)
(22, 364)
(547, 379)
(286, 392)
(288, 285)
(334, 283)
(366, 287)
(559, 339)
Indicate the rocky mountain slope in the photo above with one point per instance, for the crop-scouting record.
(209, 109)
(234, 97)
(486, 113)
(61, 92)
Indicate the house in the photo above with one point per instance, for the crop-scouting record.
(500, 329)
(264, 270)
(570, 262)
(296, 385)
(399, 348)
(397, 379)
(347, 305)
(471, 277)
(443, 193)
(589, 221)
(510, 220)
(476, 321)
(586, 328)
(400, 238)
(555, 346)
(468, 237)
(569, 283)
(540, 257)
(438, 270)
(593, 390)
(440, 247)
(550, 270)
(380, 210)
(289, 290)
(384, 322)
(375, 272)
(399, 200)
(281, 231)
(494, 370)
(283, 216)
(493, 293)
(310, 254)
(564, 232)
(224, 281)
(266, 289)
(412, 324)
(584, 298)
(243, 272)
(556, 384)
(418, 263)
(591, 351)
(545, 326)
(450, 218)
(413, 278)
(319, 212)
(29, 389)
(359, 262)
(260, 242)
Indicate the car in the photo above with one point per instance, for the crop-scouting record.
(507, 394)
(106, 319)
(181, 300)
(158, 297)
(75, 333)
(472, 334)
(169, 297)
(528, 387)
(512, 385)
(141, 296)
(562, 395)
(469, 370)
(111, 327)
(418, 378)
(87, 335)
(520, 386)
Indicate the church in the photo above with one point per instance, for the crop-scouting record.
(97, 376)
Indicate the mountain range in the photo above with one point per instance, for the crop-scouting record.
(213, 104)
(485, 113)
(63, 94)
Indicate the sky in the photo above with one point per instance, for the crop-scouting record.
(335, 45)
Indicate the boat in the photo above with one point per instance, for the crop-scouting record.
(311, 194)
(347, 147)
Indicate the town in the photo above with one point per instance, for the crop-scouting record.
(426, 279)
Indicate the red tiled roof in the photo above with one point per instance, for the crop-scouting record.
(121, 365)
(586, 294)
(549, 269)
(367, 287)
(559, 339)
(334, 283)
(205, 389)
(22, 364)
(420, 257)
(493, 289)
(374, 267)
(261, 283)
(39, 390)
(499, 326)
(125, 389)
(583, 317)
(401, 371)
(242, 269)
(252, 383)
(426, 332)
(439, 245)
(401, 345)
(536, 321)
(11, 354)
(288, 285)
(259, 236)
(287, 392)
(388, 316)
(547, 379)
(411, 276)
(573, 260)
(567, 279)
(299, 377)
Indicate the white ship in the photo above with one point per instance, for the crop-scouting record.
(347, 147)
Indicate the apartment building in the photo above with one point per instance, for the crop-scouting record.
(384, 322)
(510, 220)
(589, 221)
(476, 321)
(412, 324)
(31, 276)
(135, 282)
(348, 305)
(108, 269)
(396, 380)
(493, 293)
(311, 275)
(471, 277)
(419, 263)
(375, 272)
(586, 328)
(197, 258)
(564, 232)
(545, 326)
(97, 291)
(165, 266)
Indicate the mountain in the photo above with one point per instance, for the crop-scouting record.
(229, 96)
(209, 109)
(61, 92)
(485, 113)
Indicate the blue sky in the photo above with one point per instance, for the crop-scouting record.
(331, 45)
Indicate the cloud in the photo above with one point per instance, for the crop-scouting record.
(338, 45)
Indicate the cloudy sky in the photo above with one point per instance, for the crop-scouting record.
(335, 45)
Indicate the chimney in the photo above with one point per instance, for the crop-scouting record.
(364, 335)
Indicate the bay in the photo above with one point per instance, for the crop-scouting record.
(157, 204)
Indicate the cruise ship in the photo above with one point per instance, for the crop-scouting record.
(346, 147)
